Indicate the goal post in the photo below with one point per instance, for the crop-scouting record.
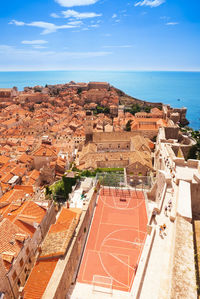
(102, 284)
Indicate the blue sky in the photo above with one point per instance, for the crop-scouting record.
(100, 35)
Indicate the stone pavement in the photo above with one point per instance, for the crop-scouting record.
(156, 283)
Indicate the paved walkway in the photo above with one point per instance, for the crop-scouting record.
(158, 274)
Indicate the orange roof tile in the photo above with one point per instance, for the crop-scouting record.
(8, 231)
(4, 159)
(26, 215)
(27, 189)
(66, 215)
(19, 171)
(25, 158)
(34, 174)
(6, 178)
(30, 215)
(45, 150)
(39, 279)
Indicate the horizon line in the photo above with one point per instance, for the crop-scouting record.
(99, 70)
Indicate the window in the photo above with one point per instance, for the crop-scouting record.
(29, 260)
(21, 262)
(14, 275)
(27, 251)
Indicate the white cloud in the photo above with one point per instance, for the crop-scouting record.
(39, 47)
(34, 42)
(94, 25)
(114, 15)
(74, 23)
(6, 49)
(17, 23)
(71, 3)
(172, 23)
(84, 15)
(10, 53)
(54, 15)
(151, 3)
(165, 18)
(47, 27)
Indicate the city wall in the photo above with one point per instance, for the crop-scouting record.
(183, 282)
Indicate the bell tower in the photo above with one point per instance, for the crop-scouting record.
(88, 127)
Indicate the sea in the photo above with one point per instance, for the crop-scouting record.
(179, 89)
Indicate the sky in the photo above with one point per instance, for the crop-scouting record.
(100, 35)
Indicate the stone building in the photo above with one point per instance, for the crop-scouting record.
(8, 93)
(98, 85)
(23, 225)
(116, 149)
(43, 156)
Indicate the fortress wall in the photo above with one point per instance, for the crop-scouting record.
(183, 282)
(195, 195)
(171, 132)
(143, 264)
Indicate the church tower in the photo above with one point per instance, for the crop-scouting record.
(88, 127)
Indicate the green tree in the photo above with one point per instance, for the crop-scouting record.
(192, 152)
(128, 126)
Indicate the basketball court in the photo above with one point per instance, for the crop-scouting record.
(115, 241)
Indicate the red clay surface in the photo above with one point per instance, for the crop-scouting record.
(116, 239)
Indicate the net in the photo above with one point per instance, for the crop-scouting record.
(111, 179)
(102, 284)
(140, 182)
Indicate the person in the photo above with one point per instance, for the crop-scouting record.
(160, 230)
(165, 210)
(164, 228)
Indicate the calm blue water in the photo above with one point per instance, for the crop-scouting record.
(166, 87)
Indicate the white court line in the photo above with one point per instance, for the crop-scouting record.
(110, 274)
(121, 261)
(122, 207)
(124, 241)
(137, 263)
(117, 208)
(119, 230)
(102, 244)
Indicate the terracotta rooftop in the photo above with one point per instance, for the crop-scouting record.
(4, 159)
(60, 234)
(26, 215)
(9, 241)
(45, 151)
(39, 279)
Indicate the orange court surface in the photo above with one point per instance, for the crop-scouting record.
(116, 238)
